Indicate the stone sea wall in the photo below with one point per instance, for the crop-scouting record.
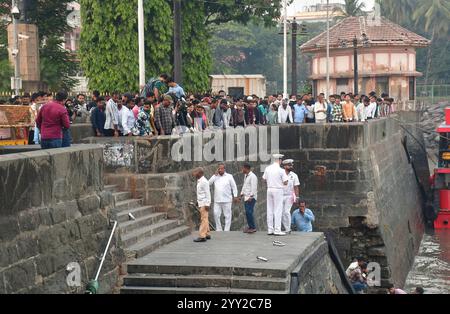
(54, 211)
(357, 178)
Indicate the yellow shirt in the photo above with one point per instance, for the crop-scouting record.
(348, 111)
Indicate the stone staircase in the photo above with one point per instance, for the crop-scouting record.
(149, 230)
(166, 279)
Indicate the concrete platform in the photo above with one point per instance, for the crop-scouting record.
(233, 252)
(225, 264)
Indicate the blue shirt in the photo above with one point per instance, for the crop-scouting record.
(300, 112)
(177, 90)
(303, 222)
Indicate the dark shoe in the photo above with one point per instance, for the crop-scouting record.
(251, 230)
(246, 230)
(200, 240)
(208, 237)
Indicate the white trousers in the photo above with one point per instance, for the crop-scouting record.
(224, 208)
(286, 215)
(274, 210)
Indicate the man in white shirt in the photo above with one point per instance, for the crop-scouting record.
(112, 116)
(320, 110)
(285, 113)
(127, 118)
(249, 193)
(371, 108)
(276, 179)
(225, 191)
(291, 192)
(203, 202)
(361, 111)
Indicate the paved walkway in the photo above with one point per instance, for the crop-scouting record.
(235, 250)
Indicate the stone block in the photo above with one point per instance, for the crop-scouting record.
(45, 217)
(71, 209)
(350, 166)
(8, 254)
(19, 276)
(9, 228)
(29, 220)
(377, 251)
(106, 199)
(323, 155)
(27, 246)
(58, 213)
(89, 204)
(49, 239)
(45, 264)
(347, 155)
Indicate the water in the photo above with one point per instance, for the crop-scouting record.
(431, 268)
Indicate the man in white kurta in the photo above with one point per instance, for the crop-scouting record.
(225, 191)
(291, 192)
(276, 179)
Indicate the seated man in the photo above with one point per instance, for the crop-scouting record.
(356, 264)
(302, 217)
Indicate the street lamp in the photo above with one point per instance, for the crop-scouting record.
(355, 68)
(15, 82)
(141, 43)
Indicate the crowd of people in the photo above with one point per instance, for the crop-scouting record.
(283, 189)
(163, 108)
(357, 273)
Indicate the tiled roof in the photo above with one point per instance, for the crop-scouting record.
(371, 32)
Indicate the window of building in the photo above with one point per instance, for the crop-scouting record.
(382, 85)
(236, 92)
(342, 85)
(412, 88)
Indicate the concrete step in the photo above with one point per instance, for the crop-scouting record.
(129, 204)
(147, 246)
(166, 290)
(110, 188)
(121, 196)
(180, 269)
(136, 212)
(145, 221)
(202, 281)
(147, 231)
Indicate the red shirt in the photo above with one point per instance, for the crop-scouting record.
(51, 119)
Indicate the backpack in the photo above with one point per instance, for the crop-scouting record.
(150, 86)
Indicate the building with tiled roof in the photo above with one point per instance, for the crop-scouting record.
(386, 57)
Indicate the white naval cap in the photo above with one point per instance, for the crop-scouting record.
(278, 156)
(288, 161)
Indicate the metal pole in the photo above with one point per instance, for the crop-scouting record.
(355, 61)
(16, 50)
(294, 57)
(106, 250)
(327, 94)
(285, 89)
(141, 43)
(178, 62)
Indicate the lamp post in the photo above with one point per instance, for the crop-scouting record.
(294, 57)
(285, 89)
(141, 43)
(327, 95)
(355, 68)
(178, 63)
(15, 51)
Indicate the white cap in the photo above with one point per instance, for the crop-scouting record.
(288, 161)
(249, 98)
(277, 156)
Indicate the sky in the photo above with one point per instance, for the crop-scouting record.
(297, 5)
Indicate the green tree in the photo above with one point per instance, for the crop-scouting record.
(434, 15)
(228, 42)
(242, 11)
(109, 42)
(351, 8)
(197, 60)
(399, 11)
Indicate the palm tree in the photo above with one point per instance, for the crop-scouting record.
(399, 11)
(434, 15)
(351, 8)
